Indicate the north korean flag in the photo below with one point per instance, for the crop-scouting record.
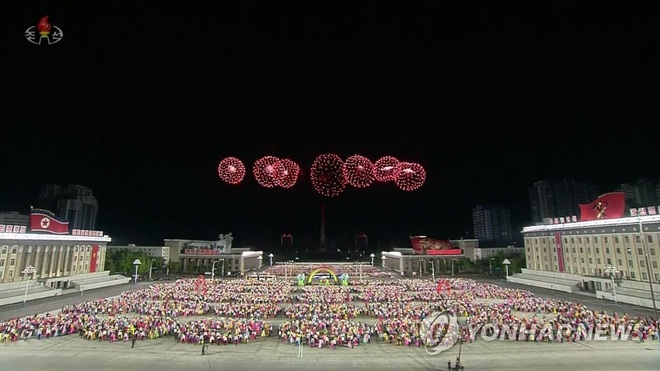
(46, 222)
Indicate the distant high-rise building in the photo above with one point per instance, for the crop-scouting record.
(73, 203)
(14, 218)
(643, 193)
(492, 223)
(551, 199)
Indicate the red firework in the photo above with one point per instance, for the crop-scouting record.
(268, 171)
(326, 175)
(289, 174)
(411, 176)
(358, 171)
(231, 170)
(386, 169)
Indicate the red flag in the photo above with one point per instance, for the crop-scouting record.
(45, 221)
(94, 260)
(606, 206)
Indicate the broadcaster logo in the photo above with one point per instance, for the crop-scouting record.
(440, 331)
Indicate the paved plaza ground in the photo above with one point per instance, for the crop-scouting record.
(73, 353)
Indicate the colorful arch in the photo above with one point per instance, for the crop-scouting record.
(322, 269)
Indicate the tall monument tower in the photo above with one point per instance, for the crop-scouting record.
(322, 241)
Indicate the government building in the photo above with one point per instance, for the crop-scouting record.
(53, 257)
(48, 254)
(607, 252)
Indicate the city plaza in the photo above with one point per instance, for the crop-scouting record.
(258, 323)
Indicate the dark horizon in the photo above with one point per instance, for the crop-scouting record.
(141, 101)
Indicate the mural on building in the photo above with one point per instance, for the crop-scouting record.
(607, 206)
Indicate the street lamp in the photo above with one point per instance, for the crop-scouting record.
(611, 269)
(506, 263)
(432, 270)
(151, 267)
(383, 259)
(213, 270)
(222, 267)
(490, 266)
(372, 259)
(29, 270)
(260, 258)
(648, 264)
(452, 265)
(360, 271)
(271, 258)
(136, 263)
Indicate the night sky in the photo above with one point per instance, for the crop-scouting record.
(141, 100)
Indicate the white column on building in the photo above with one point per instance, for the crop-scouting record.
(37, 260)
(60, 261)
(53, 261)
(67, 261)
(44, 261)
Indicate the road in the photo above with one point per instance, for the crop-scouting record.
(68, 298)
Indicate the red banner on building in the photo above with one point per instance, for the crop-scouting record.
(430, 246)
(95, 258)
(607, 206)
(560, 252)
(202, 252)
(45, 221)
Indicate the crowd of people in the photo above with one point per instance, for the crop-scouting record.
(225, 312)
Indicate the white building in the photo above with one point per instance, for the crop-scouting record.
(51, 256)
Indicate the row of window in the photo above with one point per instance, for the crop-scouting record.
(81, 267)
(626, 239)
(640, 251)
(12, 261)
(5, 249)
(583, 270)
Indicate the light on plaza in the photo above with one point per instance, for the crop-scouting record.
(372, 259)
(136, 263)
(271, 256)
(28, 271)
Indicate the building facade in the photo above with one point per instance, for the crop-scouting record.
(51, 256)
(641, 193)
(489, 252)
(14, 218)
(549, 199)
(199, 256)
(414, 262)
(627, 246)
(73, 203)
(492, 223)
